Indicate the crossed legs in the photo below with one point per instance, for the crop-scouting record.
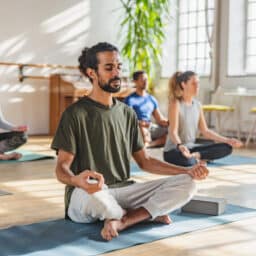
(204, 152)
(123, 207)
(10, 141)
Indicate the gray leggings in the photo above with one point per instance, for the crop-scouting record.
(11, 140)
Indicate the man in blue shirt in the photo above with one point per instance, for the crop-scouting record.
(146, 106)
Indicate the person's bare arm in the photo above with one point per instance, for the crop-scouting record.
(174, 127)
(66, 176)
(160, 119)
(156, 166)
(210, 134)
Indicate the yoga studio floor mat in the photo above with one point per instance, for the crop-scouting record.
(225, 161)
(28, 156)
(233, 160)
(65, 238)
(135, 170)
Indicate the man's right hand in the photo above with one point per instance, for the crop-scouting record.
(82, 181)
(198, 171)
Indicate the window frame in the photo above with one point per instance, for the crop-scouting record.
(248, 37)
(209, 26)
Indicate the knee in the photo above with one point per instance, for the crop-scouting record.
(186, 183)
(175, 157)
(228, 148)
(23, 137)
(20, 138)
(189, 186)
(171, 155)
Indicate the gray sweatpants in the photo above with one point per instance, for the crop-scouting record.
(158, 197)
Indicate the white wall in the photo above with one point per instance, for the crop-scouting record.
(52, 32)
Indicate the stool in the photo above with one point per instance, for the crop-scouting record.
(218, 109)
(253, 111)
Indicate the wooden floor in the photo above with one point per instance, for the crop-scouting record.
(37, 196)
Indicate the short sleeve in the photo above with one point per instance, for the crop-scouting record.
(127, 101)
(154, 101)
(138, 142)
(64, 137)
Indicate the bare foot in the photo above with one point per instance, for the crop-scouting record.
(132, 217)
(11, 156)
(165, 219)
(111, 228)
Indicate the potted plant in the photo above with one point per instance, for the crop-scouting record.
(142, 33)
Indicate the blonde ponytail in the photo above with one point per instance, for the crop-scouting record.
(175, 89)
(175, 83)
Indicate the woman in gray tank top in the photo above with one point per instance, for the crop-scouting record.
(186, 118)
(15, 137)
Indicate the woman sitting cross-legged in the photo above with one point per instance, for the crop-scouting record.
(186, 117)
(15, 137)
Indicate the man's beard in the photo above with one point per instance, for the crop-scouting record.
(107, 86)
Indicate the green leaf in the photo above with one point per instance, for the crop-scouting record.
(143, 27)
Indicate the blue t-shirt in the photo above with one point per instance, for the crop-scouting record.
(142, 105)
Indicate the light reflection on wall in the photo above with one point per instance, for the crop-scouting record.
(70, 28)
(53, 35)
(15, 100)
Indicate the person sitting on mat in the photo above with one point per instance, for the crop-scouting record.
(95, 139)
(12, 139)
(145, 105)
(186, 117)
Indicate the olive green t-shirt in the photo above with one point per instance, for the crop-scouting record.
(101, 138)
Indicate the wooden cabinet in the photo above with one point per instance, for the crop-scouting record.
(63, 93)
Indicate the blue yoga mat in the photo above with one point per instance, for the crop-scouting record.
(28, 156)
(135, 170)
(233, 160)
(65, 238)
(225, 161)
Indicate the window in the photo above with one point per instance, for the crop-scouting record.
(194, 35)
(250, 55)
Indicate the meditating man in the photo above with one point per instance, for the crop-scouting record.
(14, 138)
(95, 140)
(146, 106)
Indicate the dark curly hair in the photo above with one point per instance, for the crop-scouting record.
(137, 74)
(88, 57)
